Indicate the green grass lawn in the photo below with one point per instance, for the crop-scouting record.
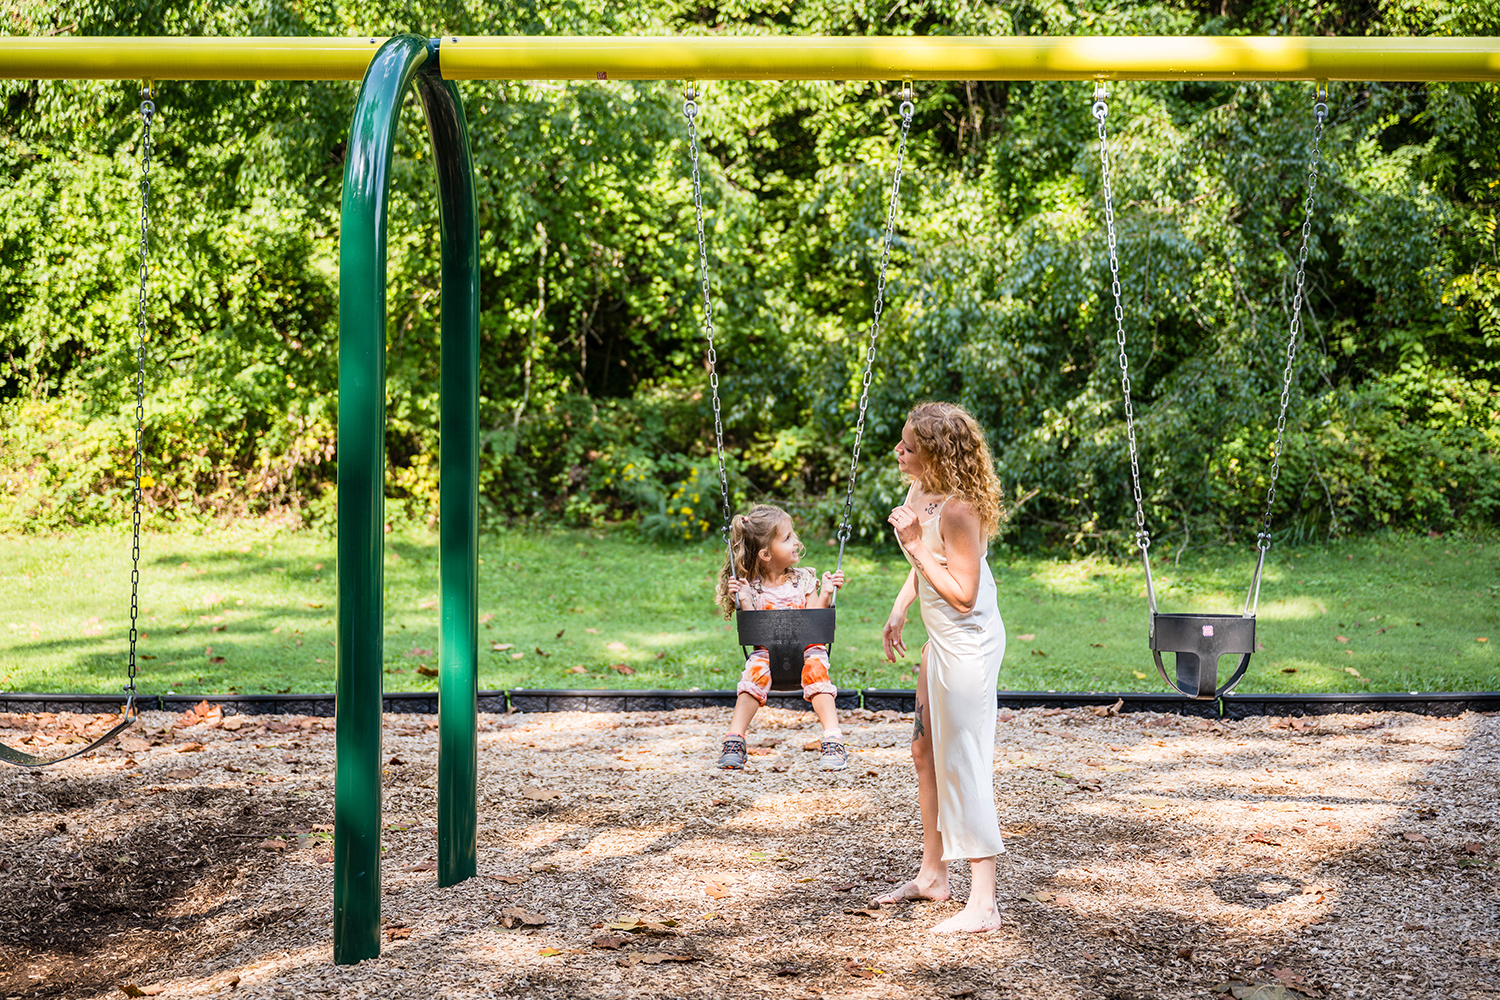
(249, 609)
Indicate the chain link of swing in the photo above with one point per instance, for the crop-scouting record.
(1320, 113)
(148, 112)
(690, 112)
(1101, 112)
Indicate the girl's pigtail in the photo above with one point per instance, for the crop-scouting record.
(737, 542)
(725, 599)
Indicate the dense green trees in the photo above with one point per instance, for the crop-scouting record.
(593, 385)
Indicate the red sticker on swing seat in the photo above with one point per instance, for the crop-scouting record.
(1208, 630)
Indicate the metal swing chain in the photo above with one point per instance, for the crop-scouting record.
(690, 112)
(1320, 113)
(148, 111)
(1263, 537)
(1101, 111)
(907, 109)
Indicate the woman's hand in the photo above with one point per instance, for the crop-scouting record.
(908, 528)
(890, 636)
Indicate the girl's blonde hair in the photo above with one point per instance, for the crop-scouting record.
(748, 534)
(956, 459)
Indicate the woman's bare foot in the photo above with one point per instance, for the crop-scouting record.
(969, 922)
(917, 888)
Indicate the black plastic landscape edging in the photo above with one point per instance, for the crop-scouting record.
(1234, 706)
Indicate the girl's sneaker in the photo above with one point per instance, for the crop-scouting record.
(733, 757)
(833, 756)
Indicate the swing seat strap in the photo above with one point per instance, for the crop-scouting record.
(22, 759)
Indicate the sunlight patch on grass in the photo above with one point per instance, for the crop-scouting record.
(1292, 609)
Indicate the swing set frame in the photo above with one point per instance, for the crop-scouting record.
(388, 68)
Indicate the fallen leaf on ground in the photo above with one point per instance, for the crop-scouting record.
(514, 916)
(715, 890)
(642, 925)
(1027, 637)
(132, 990)
(424, 866)
(509, 879)
(612, 942)
(539, 794)
(655, 958)
(1416, 838)
(397, 932)
(1104, 711)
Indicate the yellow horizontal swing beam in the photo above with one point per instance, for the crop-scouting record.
(769, 58)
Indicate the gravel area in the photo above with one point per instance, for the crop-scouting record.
(1150, 857)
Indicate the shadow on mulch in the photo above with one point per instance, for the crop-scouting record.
(82, 914)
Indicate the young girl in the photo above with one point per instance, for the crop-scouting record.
(767, 551)
(951, 512)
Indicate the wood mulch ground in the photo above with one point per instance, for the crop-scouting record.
(1150, 857)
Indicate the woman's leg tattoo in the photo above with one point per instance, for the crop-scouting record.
(918, 728)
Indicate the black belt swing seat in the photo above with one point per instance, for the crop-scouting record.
(1198, 641)
(786, 633)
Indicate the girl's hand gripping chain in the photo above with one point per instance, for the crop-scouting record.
(734, 585)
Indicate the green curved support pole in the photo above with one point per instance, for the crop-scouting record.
(361, 498)
(458, 474)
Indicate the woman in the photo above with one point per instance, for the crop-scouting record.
(951, 511)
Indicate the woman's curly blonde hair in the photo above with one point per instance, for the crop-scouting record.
(956, 459)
